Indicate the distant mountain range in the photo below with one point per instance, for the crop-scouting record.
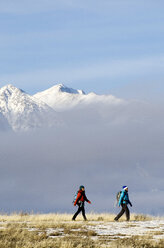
(20, 111)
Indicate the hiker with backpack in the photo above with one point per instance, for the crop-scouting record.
(123, 202)
(79, 200)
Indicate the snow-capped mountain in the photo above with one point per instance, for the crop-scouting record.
(61, 98)
(20, 111)
(23, 111)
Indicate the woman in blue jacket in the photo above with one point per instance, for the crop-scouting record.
(123, 202)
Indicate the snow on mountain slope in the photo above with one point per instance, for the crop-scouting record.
(23, 111)
(60, 98)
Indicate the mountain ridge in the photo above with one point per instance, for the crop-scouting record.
(23, 111)
(62, 98)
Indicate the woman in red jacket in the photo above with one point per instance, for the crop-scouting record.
(80, 200)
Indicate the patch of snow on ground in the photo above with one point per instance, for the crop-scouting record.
(128, 229)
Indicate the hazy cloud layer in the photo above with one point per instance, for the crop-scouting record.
(101, 147)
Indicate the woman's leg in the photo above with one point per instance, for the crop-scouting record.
(127, 213)
(83, 212)
(121, 212)
(76, 214)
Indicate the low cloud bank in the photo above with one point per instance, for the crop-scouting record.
(100, 147)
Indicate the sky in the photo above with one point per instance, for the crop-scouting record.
(109, 47)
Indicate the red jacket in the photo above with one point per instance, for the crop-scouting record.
(81, 197)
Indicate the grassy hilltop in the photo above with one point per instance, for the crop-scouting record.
(58, 231)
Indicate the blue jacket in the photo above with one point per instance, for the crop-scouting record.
(124, 198)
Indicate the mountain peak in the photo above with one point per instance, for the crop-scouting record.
(59, 95)
(23, 111)
(9, 89)
(65, 89)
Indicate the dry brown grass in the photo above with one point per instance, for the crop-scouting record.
(137, 242)
(51, 217)
(25, 230)
(17, 236)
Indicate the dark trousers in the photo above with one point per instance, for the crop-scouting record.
(80, 208)
(125, 210)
